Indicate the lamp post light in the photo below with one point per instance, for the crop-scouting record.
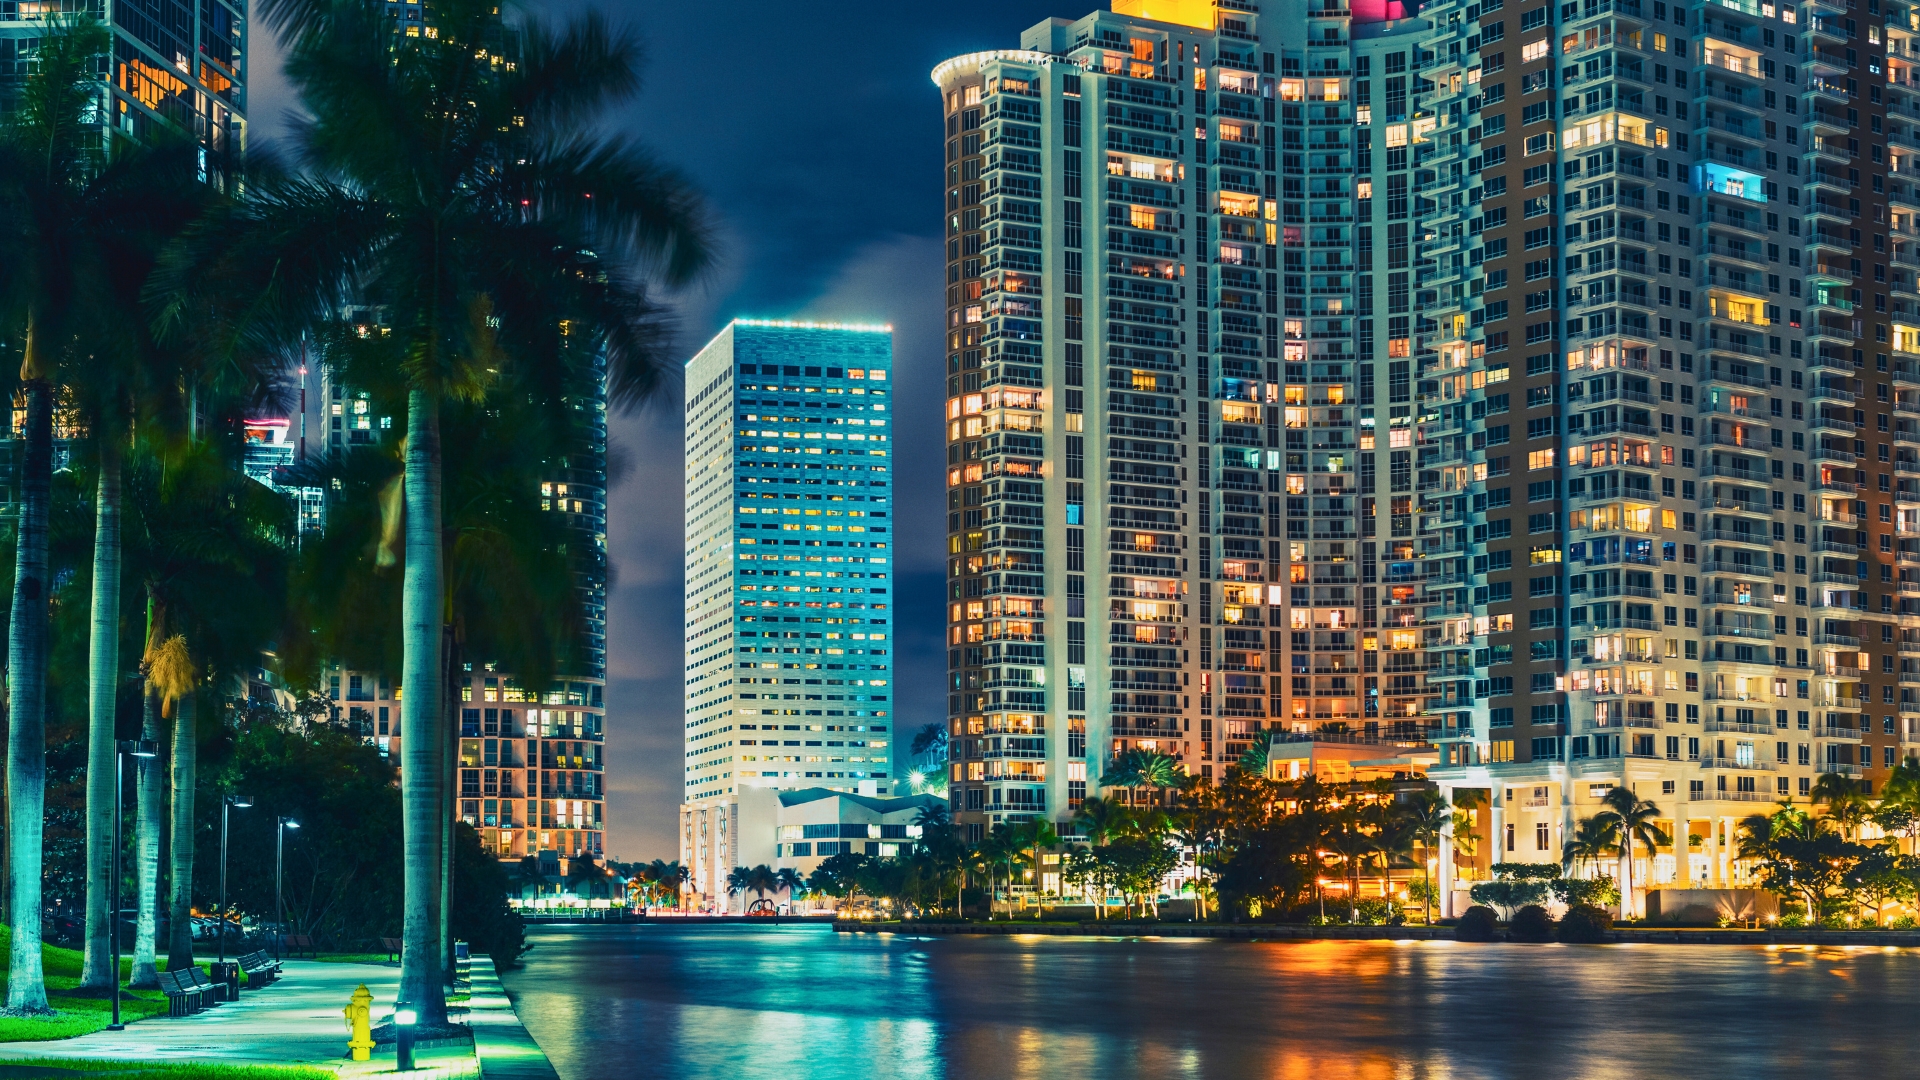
(122, 750)
(279, 908)
(227, 804)
(404, 1017)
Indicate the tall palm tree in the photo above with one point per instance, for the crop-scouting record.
(1197, 825)
(1426, 816)
(458, 192)
(1632, 819)
(80, 222)
(1035, 836)
(209, 547)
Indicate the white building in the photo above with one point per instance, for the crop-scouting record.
(789, 612)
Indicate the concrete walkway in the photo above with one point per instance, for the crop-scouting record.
(507, 1051)
(298, 1021)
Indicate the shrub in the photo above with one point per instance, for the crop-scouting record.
(1584, 924)
(1532, 924)
(1793, 918)
(1476, 925)
(1373, 911)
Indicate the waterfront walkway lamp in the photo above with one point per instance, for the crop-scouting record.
(122, 750)
(226, 804)
(279, 908)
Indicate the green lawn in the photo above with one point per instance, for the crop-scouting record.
(73, 1015)
(54, 1068)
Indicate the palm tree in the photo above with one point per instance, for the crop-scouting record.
(1098, 819)
(459, 194)
(1255, 757)
(935, 821)
(79, 227)
(1426, 816)
(1034, 836)
(1197, 825)
(1899, 810)
(1632, 818)
(1137, 769)
(1592, 838)
(209, 547)
(1846, 806)
(789, 881)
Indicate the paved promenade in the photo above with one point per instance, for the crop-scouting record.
(298, 1021)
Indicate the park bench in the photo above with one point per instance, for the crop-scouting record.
(300, 943)
(260, 968)
(184, 998)
(392, 946)
(215, 992)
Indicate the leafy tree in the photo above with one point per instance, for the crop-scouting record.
(1516, 885)
(1881, 876)
(1797, 854)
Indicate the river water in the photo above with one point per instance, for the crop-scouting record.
(804, 1003)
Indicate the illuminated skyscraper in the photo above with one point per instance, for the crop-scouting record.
(1522, 388)
(789, 551)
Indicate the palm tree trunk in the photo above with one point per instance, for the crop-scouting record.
(186, 768)
(103, 680)
(421, 714)
(146, 851)
(1626, 880)
(27, 688)
(448, 788)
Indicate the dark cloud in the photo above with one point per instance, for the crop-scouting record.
(815, 131)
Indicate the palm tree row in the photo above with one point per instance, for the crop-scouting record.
(452, 186)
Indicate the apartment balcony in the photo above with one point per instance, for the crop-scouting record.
(1722, 504)
(1755, 764)
(1825, 29)
(1839, 768)
(1738, 569)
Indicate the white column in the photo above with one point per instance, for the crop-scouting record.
(1497, 821)
(1445, 869)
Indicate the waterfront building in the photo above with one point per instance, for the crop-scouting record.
(799, 828)
(789, 571)
(1534, 379)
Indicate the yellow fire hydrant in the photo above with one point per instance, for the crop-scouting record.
(360, 1021)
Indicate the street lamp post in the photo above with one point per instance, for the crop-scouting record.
(121, 751)
(279, 908)
(226, 804)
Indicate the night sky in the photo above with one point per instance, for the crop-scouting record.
(815, 132)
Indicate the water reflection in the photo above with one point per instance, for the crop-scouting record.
(794, 1001)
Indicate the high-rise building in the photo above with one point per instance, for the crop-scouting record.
(789, 556)
(175, 65)
(1502, 377)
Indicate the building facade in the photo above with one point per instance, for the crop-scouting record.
(175, 65)
(789, 555)
(1525, 377)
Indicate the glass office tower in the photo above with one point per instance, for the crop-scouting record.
(789, 554)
